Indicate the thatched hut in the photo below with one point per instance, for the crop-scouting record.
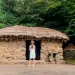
(70, 47)
(69, 51)
(15, 40)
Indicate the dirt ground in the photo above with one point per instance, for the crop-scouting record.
(38, 69)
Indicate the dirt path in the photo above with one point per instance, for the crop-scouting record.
(39, 69)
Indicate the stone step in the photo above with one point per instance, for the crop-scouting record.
(21, 62)
(26, 62)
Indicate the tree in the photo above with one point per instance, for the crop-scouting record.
(56, 14)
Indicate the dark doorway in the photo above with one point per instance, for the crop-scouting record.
(38, 48)
(27, 49)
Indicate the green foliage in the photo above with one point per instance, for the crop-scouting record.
(71, 29)
(8, 18)
(2, 25)
(57, 17)
(8, 5)
(56, 14)
(70, 62)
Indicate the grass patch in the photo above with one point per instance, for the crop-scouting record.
(70, 61)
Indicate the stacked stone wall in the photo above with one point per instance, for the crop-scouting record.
(12, 51)
(69, 54)
(48, 48)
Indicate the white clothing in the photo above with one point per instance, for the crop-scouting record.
(32, 53)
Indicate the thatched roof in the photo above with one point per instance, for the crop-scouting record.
(70, 47)
(37, 32)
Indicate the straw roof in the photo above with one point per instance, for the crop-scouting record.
(37, 32)
(70, 47)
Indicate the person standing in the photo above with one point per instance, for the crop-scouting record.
(32, 54)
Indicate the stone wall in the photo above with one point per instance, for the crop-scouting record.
(69, 54)
(12, 51)
(50, 48)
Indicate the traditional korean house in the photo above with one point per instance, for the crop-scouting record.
(15, 41)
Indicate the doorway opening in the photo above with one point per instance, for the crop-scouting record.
(38, 48)
(54, 56)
